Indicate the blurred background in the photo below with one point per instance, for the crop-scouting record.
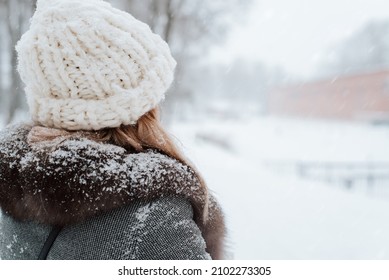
(282, 105)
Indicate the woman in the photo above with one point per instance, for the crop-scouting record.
(96, 176)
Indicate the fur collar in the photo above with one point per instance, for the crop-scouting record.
(78, 178)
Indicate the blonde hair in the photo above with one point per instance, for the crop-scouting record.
(147, 133)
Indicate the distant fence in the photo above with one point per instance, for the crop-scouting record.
(347, 174)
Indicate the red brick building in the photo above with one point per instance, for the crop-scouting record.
(357, 97)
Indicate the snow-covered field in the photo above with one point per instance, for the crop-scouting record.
(273, 214)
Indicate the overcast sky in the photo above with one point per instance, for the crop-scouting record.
(295, 34)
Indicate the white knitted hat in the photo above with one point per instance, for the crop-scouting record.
(89, 66)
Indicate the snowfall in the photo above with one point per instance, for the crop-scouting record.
(274, 210)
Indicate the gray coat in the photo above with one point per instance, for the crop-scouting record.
(111, 204)
(163, 230)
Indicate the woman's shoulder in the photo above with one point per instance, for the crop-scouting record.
(159, 229)
(162, 228)
(78, 178)
(73, 180)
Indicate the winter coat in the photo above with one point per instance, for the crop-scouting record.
(109, 203)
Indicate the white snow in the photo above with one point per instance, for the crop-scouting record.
(274, 214)
(143, 213)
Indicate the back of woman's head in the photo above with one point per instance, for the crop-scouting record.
(89, 66)
(96, 71)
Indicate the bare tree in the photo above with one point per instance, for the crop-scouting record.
(365, 50)
(190, 28)
(2, 52)
(16, 18)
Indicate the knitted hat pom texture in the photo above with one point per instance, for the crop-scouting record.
(89, 66)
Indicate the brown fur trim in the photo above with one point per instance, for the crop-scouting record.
(77, 178)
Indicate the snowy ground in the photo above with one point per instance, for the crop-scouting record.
(273, 214)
